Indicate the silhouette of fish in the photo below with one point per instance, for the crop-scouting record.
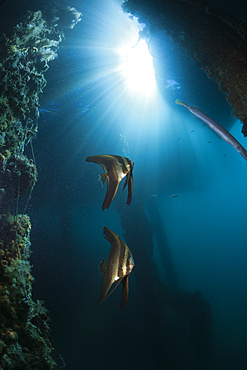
(116, 169)
(117, 269)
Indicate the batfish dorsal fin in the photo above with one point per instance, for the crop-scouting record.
(110, 235)
(105, 161)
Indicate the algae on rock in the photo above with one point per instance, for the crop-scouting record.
(24, 329)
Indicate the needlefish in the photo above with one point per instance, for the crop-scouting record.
(223, 133)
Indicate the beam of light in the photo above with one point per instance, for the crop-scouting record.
(137, 68)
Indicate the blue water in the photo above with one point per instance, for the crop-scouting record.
(86, 110)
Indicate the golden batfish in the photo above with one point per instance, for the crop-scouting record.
(117, 269)
(116, 169)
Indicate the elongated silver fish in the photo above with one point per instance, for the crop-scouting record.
(117, 269)
(223, 133)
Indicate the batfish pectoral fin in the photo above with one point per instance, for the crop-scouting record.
(125, 291)
(103, 177)
(112, 187)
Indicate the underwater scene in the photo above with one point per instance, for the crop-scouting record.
(123, 174)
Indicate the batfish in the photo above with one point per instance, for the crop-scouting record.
(117, 269)
(116, 169)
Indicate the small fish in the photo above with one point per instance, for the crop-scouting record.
(46, 110)
(221, 131)
(117, 269)
(53, 107)
(173, 84)
(174, 196)
(83, 108)
(116, 169)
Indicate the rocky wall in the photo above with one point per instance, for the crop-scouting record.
(214, 39)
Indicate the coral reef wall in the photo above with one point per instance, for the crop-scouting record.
(26, 51)
(213, 38)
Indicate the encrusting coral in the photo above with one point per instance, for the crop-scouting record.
(23, 64)
(24, 342)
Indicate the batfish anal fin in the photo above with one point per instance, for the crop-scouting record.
(130, 188)
(112, 187)
(125, 291)
(129, 181)
(106, 293)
